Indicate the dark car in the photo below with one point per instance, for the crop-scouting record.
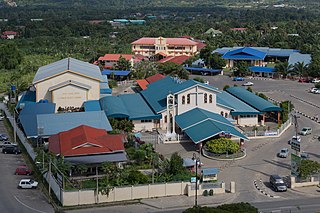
(3, 137)
(11, 150)
(23, 170)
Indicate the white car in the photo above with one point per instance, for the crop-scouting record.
(27, 184)
(305, 131)
(316, 81)
(283, 153)
(295, 138)
(248, 84)
(313, 90)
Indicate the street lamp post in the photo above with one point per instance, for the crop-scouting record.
(197, 160)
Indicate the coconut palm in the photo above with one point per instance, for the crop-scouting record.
(283, 68)
(300, 68)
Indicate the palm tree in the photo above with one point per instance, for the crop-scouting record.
(300, 68)
(283, 68)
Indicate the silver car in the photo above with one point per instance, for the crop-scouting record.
(283, 153)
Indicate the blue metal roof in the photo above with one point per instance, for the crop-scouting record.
(131, 106)
(92, 105)
(201, 125)
(51, 124)
(116, 72)
(210, 171)
(203, 69)
(191, 83)
(262, 69)
(114, 107)
(26, 98)
(272, 52)
(28, 116)
(253, 100)
(298, 57)
(245, 53)
(71, 64)
(237, 106)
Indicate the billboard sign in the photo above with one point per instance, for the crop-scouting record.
(295, 145)
(193, 179)
(295, 164)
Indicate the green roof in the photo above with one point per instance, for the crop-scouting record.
(156, 93)
(200, 125)
(237, 106)
(253, 100)
(131, 106)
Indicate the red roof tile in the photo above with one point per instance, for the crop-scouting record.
(155, 78)
(115, 57)
(200, 46)
(9, 33)
(85, 140)
(142, 83)
(175, 59)
(170, 41)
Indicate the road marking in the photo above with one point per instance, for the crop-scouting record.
(28, 206)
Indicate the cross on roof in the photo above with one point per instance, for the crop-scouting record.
(196, 93)
(161, 39)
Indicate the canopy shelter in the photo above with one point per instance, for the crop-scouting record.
(203, 71)
(201, 125)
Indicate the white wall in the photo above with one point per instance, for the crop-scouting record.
(43, 86)
(69, 96)
(248, 121)
(143, 126)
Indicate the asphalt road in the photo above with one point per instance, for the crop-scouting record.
(12, 199)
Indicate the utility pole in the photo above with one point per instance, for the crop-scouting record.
(49, 180)
(155, 150)
(97, 184)
(14, 126)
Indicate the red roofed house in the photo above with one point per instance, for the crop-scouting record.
(164, 47)
(88, 145)
(175, 59)
(109, 60)
(143, 83)
(8, 35)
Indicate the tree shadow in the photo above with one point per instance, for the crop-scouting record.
(281, 164)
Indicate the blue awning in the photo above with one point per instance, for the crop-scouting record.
(210, 171)
(116, 72)
(262, 69)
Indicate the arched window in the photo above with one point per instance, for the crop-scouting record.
(165, 119)
(205, 98)
(226, 115)
(188, 99)
(221, 113)
(210, 99)
(183, 99)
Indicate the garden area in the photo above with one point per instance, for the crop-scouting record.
(223, 148)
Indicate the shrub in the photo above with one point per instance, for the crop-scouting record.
(205, 193)
(211, 192)
(222, 145)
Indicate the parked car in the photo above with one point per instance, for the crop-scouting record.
(305, 131)
(277, 183)
(283, 153)
(206, 82)
(23, 170)
(3, 137)
(249, 83)
(28, 184)
(313, 90)
(304, 80)
(238, 79)
(11, 150)
(317, 91)
(1, 117)
(6, 143)
(304, 156)
(296, 138)
(316, 80)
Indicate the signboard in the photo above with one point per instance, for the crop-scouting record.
(193, 179)
(13, 88)
(295, 145)
(295, 164)
(270, 133)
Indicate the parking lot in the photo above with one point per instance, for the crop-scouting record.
(12, 198)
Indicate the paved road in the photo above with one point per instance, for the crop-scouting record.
(13, 199)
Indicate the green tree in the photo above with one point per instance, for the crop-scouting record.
(81, 168)
(286, 106)
(249, 89)
(199, 79)
(145, 69)
(136, 177)
(206, 54)
(308, 168)
(122, 64)
(300, 69)
(241, 69)
(216, 61)
(10, 56)
(226, 87)
(283, 68)
(173, 69)
(222, 145)
(176, 164)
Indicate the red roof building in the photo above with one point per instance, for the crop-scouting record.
(109, 60)
(81, 143)
(164, 47)
(143, 83)
(175, 59)
(9, 35)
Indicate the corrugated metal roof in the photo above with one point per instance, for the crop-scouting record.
(116, 72)
(238, 107)
(245, 53)
(26, 98)
(98, 159)
(92, 105)
(114, 107)
(201, 125)
(298, 57)
(69, 82)
(51, 124)
(72, 64)
(262, 69)
(253, 100)
(28, 116)
(199, 69)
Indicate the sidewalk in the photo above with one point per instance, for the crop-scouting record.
(175, 202)
(308, 190)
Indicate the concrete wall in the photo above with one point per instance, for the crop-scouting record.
(143, 126)
(303, 184)
(248, 121)
(43, 86)
(69, 96)
(81, 197)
